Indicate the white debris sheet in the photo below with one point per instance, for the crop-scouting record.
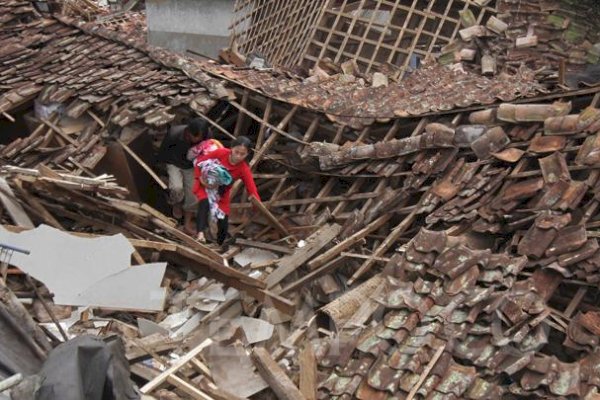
(88, 271)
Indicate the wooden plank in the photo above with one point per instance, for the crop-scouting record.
(233, 278)
(280, 383)
(270, 217)
(266, 246)
(142, 164)
(349, 242)
(240, 117)
(188, 388)
(263, 128)
(160, 379)
(60, 132)
(37, 206)
(308, 372)
(276, 129)
(328, 199)
(581, 292)
(315, 274)
(365, 256)
(188, 240)
(11, 204)
(315, 243)
(384, 246)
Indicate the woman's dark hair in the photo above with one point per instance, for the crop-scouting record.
(242, 141)
(199, 126)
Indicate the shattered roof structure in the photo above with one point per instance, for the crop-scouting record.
(448, 220)
(94, 69)
(459, 323)
(379, 35)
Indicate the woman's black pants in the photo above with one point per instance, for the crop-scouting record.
(202, 221)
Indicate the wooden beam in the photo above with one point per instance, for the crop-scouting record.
(349, 242)
(60, 132)
(142, 164)
(314, 274)
(266, 246)
(270, 217)
(160, 379)
(273, 127)
(384, 246)
(295, 202)
(308, 372)
(263, 128)
(12, 205)
(280, 383)
(233, 278)
(240, 116)
(315, 243)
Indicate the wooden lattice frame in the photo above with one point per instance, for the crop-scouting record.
(278, 30)
(411, 28)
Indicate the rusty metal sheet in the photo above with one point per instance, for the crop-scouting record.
(578, 337)
(567, 383)
(511, 155)
(554, 168)
(547, 144)
(357, 366)
(462, 282)
(536, 241)
(589, 153)
(573, 196)
(396, 319)
(493, 141)
(569, 239)
(339, 352)
(522, 190)
(457, 380)
(458, 259)
(591, 321)
(366, 392)
(382, 377)
(552, 195)
(587, 251)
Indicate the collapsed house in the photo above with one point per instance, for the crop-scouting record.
(429, 235)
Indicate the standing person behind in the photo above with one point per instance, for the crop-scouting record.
(173, 152)
(233, 161)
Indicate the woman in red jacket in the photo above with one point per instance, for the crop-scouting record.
(234, 161)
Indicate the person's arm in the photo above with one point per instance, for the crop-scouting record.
(249, 182)
(212, 155)
(165, 147)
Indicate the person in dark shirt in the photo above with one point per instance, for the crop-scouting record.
(173, 152)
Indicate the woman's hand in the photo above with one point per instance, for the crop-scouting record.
(208, 185)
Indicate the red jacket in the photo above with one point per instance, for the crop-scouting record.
(237, 171)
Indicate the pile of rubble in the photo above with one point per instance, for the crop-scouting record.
(442, 245)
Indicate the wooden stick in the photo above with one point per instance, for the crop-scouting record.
(308, 372)
(10, 382)
(60, 132)
(426, 372)
(96, 118)
(276, 377)
(349, 242)
(46, 307)
(384, 246)
(143, 165)
(270, 217)
(259, 119)
(156, 382)
(297, 202)
(8, 116)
